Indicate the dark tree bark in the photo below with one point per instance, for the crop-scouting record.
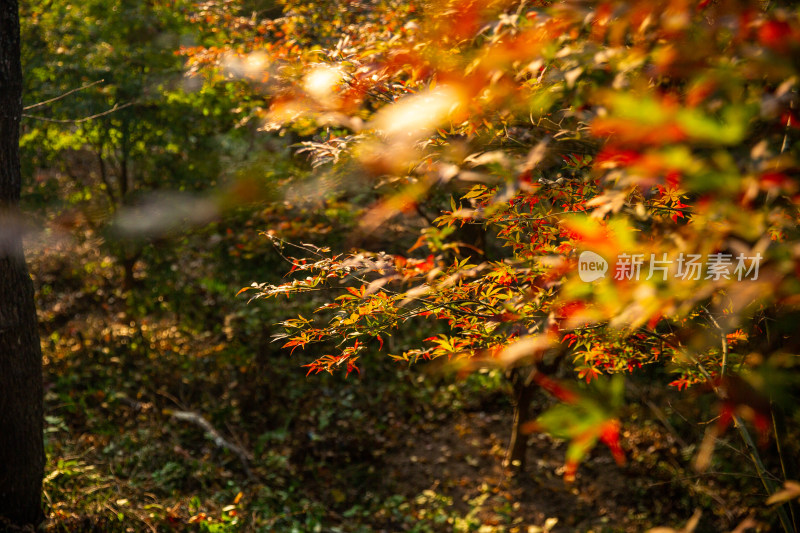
(128, 279)
(525, 387)
(21, 446)
(524, 392)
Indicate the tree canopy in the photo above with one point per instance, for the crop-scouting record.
(659, 138)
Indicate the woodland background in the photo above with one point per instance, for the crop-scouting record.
(413, 179)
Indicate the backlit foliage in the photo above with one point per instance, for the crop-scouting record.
(661, 128)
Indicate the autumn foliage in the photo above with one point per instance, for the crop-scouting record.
(659, 135)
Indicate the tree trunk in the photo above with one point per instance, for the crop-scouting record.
(128, 279)
(21, 446)
(524, 391)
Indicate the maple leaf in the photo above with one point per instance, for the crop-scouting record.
(585, 420)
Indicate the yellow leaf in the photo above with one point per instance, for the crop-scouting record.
(790, 491)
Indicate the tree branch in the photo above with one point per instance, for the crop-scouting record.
(219, 440)
(79, 120)
(50, 101)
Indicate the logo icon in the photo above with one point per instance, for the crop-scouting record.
(591, 266)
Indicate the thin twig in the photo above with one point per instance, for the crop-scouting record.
(724, 342)
(79, 120)
(55, 99)
(707, 473)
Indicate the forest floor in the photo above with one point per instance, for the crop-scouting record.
(391, 449)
